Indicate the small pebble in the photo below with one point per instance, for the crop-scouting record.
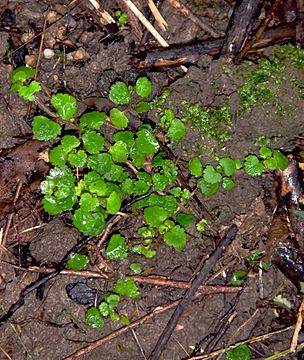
(79, 55)
(30, 60)
(48, 53)
(52, 16)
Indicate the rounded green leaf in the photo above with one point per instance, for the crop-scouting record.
(146, 143)
(70, 142)
(228, 183)
(118, 118)
(271, 164)
(281, 159)
(77, 262)
(228, 166)
(185, 219)
(58, 155)
(177, 130)
(144, 250)
(87, 202)
(101, 163)
(45, 129)
(211, 176)
(142, 107)
(114, 202)
(112, 299)
(126, 288)
(143, 87)
(253, 166)
(238, 278)
(136, 268)
(160, 181)
(155, 215)
(93, 142)
(65, 105)
(119, 93)
(104, 309)
(27, 92)
(119, 151)
(92, 120)
(240, 352)
(265, 152)
(90, 223)
(116, 173)
(94, 318)
(22, 73)
(207, 188)
(176, 237)
(195, 167)
(117, 248)
(78, 159)
(125, 136)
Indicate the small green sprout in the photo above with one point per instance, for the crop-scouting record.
(240, 352)
(126, 288)
(238, 277)
(77, 262)
(117, 248)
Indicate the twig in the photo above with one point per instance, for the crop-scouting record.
(202, 24)
(161, 22)
(295, 337)
(207, 267)
(139, 344)
(158, 310)
(146, 23)
(10, 219)
(40, 50)
(105, 16)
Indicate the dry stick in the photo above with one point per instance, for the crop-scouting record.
(146, 23)
(104, 14)
(158, 310)
(295, 337)
(207, 267)
(161, 22)
(202, 24)
(10, 219)
(40, 50)
(261, 30)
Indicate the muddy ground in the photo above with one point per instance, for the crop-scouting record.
(53, 327)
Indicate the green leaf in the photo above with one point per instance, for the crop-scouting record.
(116, 173)
(271, 164)
(155, 215)
(101, 163)
(185, 219)
(167, 202)
(92, 120)
(65, 105)
(119, 151)
(78, 159)
(144, 250)
(93, 142)
(228, 166)
(282, 302)
(177, 130)
(90, 223)
(104, 309)
(253, 166)
(22, 73)
(125, 136)
(227, 183)
(70, 142)
(211, 176)
(45, 129)
(114, 202)
(136, 268)
(119, 93)
(27, 92)
(160, 181)
(117, 248)
(126, 288)
(77, 262)
(241, 352)
(238, 164)
(195, 167)
(146, 142)
(166, 226)
(143, 87)
(207, 188)
(146, 232)
(124, 320)
(118, 118)
(58, 155)
(238, 278)
(94, 318)
(112, 299)
(88, 203)
(201, 225)
(176, 237)
(141, 187)
(281, 159)
(142, 107)
(265, 152)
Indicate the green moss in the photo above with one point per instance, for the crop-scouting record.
(214, 123)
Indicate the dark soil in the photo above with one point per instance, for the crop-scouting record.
(53, 327)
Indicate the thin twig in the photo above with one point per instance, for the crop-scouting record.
(158, 310)
(207, 267)
(202, 24)
(161, 22)
(146, 23)
(295, 337)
